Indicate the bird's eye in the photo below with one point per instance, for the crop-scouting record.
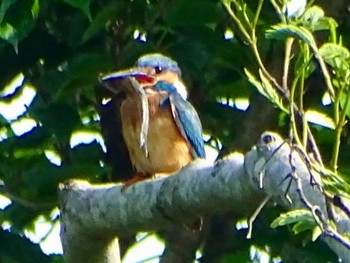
(158, 69)
(268, 138)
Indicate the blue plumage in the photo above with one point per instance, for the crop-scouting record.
(185, 117)
(158, 60)
(163, 86)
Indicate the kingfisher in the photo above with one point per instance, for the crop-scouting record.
(161, 129)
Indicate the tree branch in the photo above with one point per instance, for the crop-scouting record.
(93, 215)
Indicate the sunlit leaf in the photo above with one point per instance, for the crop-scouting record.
(35, 8)
(17, 22)
(334, 182)
(272, 93)
(8, 33)
(294, 216)
(320, 118)
(266, 89)
(316, 233)
(283, 31)
(312, 16)
(337, 57)
(329, 51)
(332, 28)
(303, 226)
(345, 102)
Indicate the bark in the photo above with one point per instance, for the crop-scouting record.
(93, 215)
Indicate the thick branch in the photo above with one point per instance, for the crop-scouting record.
(97, 214)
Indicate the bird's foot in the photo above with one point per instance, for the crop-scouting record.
(137, 178)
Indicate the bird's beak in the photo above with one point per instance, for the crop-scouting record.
(140, 74)
(120, 80)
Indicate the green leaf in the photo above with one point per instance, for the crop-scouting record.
(312, 16)
(83, 5)
(8, 33)
(332, 28)
(35, 8)
(237, 256)
(17, 248)
(337, 57)
(283, 31)
(303, 226)
(102, 18)
(81, 72)
(343, 101)
(316, 233)
(60, 118)
(77, 74)
(4, 7)
(334, 182)
(37, 138)
(18, 215)
(294, 216)
(255, 82)
(85, 162)
(320, 118)
(265, 88)
(195, 12)
(40, 181)
(17, 23)
(314, 19)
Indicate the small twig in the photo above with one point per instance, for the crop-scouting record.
(325, 73)
(339, 129)
(337, 201)
(238, 23)
(306, 53)
(278, 10)
(314, 148)
(261, 179)
(318, 215)
(288, 187)
(308, 164)
(293, 130)
(256, 17)
(254, 216)
(23, 202)
(288, 50)
(252, 41)
(338, 237)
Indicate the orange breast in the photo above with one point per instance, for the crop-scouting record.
(168, 151)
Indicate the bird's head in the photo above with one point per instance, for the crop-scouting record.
(151, 69)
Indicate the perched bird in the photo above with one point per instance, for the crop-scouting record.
(161, 129)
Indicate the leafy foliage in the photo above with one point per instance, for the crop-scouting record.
(60, 47)
(302, 219)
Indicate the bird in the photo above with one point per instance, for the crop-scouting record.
(160, 127)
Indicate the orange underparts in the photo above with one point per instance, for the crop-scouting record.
(137, 178)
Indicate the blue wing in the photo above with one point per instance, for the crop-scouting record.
(185, 116)
(188, 122)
